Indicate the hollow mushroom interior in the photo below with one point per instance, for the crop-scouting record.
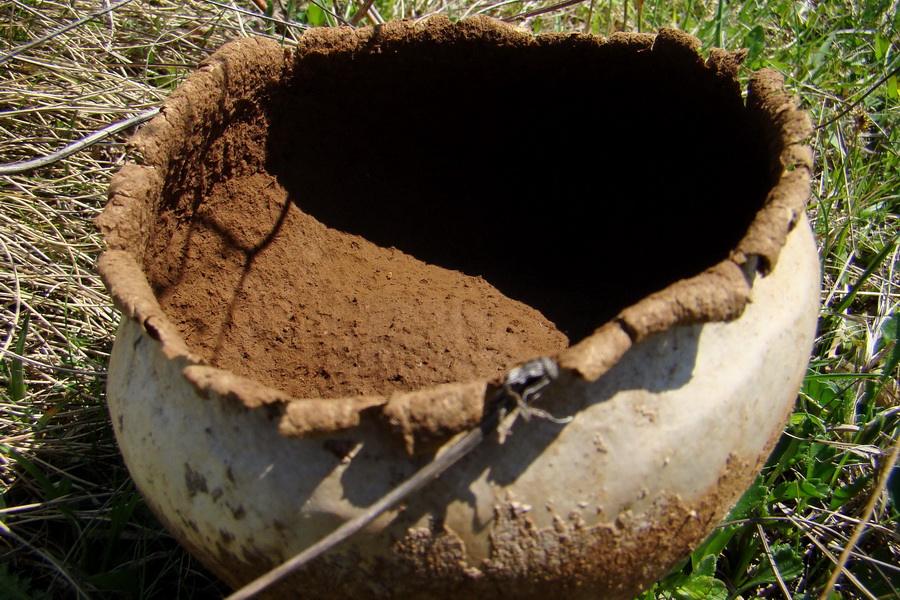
(428, 212)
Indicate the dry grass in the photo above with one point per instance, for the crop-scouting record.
(71, 524)
(66, 494)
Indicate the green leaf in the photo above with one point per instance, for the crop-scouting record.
(821, 56)
(15, 587)
(787, 561)
(881, 46)
(890, 331)
(814, 490)
(16, 371)
(796, 490)
(60, 489)
(754, 497)
(755, 41)
(712, 546)
(786, 453)
(122, 510)
(706, 567)
(893, 488)
(701, 587)
(845, 493)
(315, 15)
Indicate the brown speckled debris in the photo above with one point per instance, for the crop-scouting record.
(607, 561)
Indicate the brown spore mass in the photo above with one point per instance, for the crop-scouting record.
(385, 220)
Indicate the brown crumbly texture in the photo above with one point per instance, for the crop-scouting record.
(613, 560)
(264, 290)
(313, 230)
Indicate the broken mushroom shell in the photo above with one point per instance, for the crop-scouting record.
(328, 258)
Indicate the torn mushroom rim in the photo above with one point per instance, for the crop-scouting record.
(135, 190)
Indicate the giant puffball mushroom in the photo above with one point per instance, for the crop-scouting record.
(327, 258)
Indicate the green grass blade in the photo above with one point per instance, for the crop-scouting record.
(16, 369)
(874, 265)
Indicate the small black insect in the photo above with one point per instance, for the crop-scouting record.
(525, 384)
(521, 386)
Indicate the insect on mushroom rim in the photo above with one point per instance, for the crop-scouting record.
(521, 386)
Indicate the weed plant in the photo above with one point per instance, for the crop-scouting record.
(820, 521)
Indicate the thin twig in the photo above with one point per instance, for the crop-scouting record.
(587, 22)
(265, 17)
(85, 142)
(422, 477)
(869, 92)
(46, 557)
(859, 585)
(521, 386)
(771, 558)
(362, 12)
(43, 365)
(541, 11)
(840, 568)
